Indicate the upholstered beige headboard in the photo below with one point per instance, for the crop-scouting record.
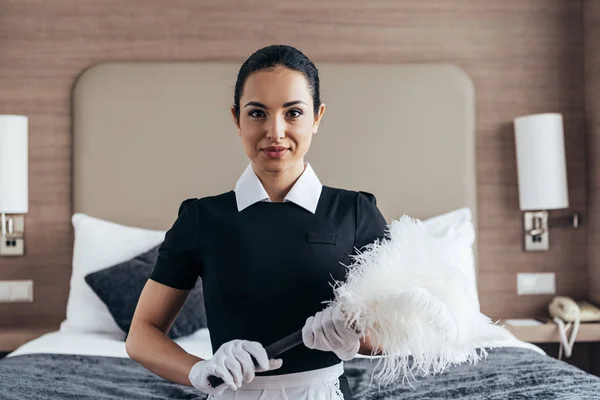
(148, 135)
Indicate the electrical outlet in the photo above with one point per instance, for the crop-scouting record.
(543, 283)
(16, 291)
(12, 246)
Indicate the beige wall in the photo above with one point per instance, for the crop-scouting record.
(591, 23)
(523, 56)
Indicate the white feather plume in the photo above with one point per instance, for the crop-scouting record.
(414, 303)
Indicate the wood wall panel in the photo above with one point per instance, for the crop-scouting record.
(591, 25)
(524, 57)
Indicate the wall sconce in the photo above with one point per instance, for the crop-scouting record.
(542, 175)
(13, 184)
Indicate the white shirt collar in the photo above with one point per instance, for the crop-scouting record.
(305, 192)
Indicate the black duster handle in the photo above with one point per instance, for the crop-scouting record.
(273, 350)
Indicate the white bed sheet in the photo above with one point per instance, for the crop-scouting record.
(198, 344)
(103, 345)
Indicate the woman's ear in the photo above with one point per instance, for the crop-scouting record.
(236, 120)
(318, 118)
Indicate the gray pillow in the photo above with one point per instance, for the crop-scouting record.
(120, 286)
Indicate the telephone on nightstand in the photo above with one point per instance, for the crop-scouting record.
(564, 309)
(567, 309)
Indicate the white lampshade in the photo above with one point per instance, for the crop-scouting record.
(541, 162)
(13, 164)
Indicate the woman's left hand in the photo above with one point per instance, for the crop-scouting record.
(327, 331)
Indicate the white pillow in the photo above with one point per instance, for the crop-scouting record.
(456, 235)
(100, 244)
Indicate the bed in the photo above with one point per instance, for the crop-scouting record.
(87, 366)
(144, 138)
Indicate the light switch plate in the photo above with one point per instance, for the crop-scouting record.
(538, 283)
(21, 291)
(4, 292)
(16, 291)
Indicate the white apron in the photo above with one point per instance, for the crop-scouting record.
(318, 384)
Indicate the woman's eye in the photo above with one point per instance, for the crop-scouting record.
(257, 114)
(295, 113)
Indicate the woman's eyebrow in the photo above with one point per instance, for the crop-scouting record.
(255, 104)
(293, 103)
(285, 105)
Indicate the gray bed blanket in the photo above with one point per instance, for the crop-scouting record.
(508, 373)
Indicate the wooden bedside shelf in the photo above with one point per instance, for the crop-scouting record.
(548, 332)
(11, 338)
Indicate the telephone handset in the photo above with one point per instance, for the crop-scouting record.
(568, 309)
(564, 309)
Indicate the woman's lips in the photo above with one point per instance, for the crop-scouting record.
(275, 151)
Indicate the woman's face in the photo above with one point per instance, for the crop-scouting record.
(277, 119)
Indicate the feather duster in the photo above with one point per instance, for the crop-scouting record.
(413, 301)
(414, 304)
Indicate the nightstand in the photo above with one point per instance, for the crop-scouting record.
(548, 332)
(11, 338)
(586, 351)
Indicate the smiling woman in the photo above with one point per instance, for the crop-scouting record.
(279, 89)
(236, 242)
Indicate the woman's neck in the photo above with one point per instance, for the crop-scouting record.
(278, 184)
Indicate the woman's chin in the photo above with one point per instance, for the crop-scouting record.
(273, 165)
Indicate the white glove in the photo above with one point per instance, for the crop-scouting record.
(233, 363)
(327, 331)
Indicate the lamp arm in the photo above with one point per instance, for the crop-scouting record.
(574, 220)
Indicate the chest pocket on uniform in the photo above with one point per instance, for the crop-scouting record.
(321, 237)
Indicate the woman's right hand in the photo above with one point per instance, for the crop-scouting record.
(233, 363)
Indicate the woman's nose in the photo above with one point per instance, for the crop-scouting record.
(276, 129)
